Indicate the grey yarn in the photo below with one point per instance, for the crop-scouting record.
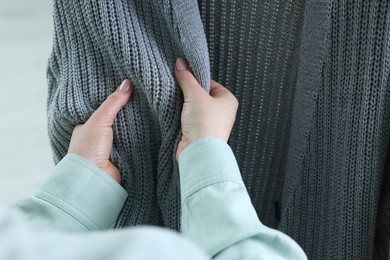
(312, 132)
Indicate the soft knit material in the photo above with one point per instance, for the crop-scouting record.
(312, 130)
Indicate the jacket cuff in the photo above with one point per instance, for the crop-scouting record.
(81, 189)
(206, 161)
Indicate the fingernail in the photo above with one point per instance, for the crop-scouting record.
(125, 86)
(181, 64)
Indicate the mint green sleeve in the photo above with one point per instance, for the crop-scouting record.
(217, 213)
(78, 196)
(21, 241)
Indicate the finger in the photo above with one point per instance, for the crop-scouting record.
(187, 82)
(77, 126)
(217, 90)
(106, 113)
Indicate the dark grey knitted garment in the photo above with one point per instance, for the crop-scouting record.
(312, 132)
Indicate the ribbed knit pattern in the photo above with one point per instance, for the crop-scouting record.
(97, 44)
(312, 131)
(254, 50)
(332, 203)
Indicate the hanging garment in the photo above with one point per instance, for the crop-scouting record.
(312, 131)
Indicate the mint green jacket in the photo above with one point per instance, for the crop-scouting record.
(218, 219)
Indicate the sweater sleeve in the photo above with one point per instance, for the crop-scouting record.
(78, 196)
(217, 213)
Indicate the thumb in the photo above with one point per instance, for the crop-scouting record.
(186, 80)
(219, 92)
(106, 113)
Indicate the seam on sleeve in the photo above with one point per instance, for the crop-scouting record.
(207, 183)
(67, 208)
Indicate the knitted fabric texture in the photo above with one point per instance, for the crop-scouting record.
(312, 131)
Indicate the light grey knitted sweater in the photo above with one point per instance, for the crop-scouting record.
(312, 131)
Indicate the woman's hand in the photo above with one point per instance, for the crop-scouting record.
(93, 140)
(203, 114)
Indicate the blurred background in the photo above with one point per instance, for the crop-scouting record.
(26, 32)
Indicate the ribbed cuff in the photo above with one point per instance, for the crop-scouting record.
(206, 161)
(84, 191)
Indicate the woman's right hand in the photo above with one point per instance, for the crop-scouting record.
(203, 114)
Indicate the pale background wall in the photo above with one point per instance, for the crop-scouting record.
(25, 42)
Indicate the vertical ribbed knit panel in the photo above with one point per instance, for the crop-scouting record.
(331, 210)
(96, 45)
(254, 48)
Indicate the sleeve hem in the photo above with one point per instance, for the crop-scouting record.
(84, 191)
